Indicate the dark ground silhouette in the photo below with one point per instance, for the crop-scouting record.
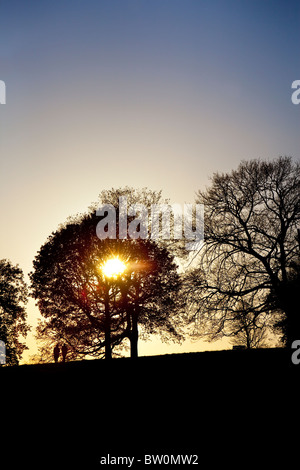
(229, 407)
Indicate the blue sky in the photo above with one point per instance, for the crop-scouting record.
(156, 93)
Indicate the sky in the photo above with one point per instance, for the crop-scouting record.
(155, 93)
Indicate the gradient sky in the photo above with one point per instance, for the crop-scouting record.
(156, 93)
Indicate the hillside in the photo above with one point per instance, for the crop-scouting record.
(231, 366)
(206, 403)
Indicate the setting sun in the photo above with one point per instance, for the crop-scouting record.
(113, 267)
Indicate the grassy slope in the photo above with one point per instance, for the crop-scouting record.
(209, 403)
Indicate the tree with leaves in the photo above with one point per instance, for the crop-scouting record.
(93, 313)
(246, 265)
(13, 298)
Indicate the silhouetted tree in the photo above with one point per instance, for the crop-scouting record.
(251, 218)
(246, 328)
(91, 312)
(13, 297)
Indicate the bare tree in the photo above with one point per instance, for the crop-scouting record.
(251, 246)
(248, 329)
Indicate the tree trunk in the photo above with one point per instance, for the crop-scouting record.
(107, 345)
(134, 337)
(107, 329)
(288, 302)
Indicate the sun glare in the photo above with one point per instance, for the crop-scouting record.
(113, 267)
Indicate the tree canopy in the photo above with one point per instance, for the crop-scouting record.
(92, 312)
(13, 298)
